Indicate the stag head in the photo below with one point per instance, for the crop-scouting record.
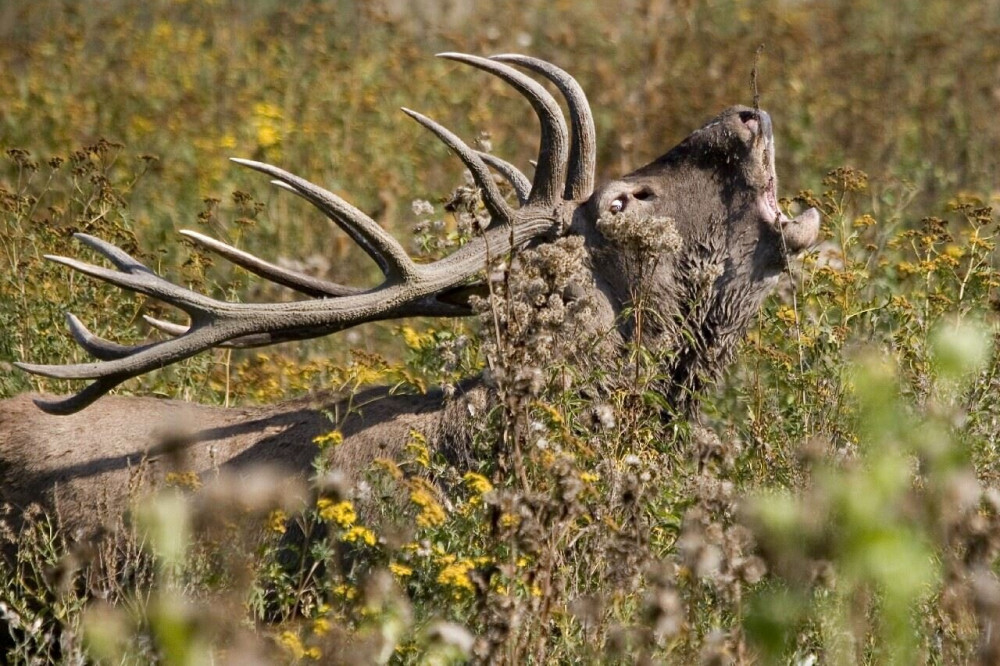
(717, 190)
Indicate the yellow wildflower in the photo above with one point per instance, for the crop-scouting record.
(554, 415)
(400, 570)
(417, 445)
(345, 591)
(787, 315)
(589, 477)
(509, 520)
(410, 337)
(341, 513)
(188, 480)
(276, 521)
(291, 642)
(863, 222)
(358, 533)
(954, 251)
(479, 483)
(267, 135)
(330, 440)
(267, 110)
(162, 30)
(431, 513)
(321, 625)
(456, 575)
(390, 467)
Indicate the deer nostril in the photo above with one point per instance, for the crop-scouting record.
(751, 120)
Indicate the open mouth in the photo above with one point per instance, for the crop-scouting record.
(797, 233)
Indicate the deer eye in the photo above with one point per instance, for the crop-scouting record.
(617, 205)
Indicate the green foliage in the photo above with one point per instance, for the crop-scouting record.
(839, 500)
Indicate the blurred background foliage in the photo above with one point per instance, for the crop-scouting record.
(842, 507)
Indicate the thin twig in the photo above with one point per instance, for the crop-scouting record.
(753, 78)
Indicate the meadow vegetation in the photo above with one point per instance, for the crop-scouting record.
(837, 501)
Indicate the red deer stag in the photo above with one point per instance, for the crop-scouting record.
(708, 207)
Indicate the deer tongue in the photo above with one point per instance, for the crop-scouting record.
(800, 231)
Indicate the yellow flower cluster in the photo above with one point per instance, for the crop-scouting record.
(266, 119)
(266, 110)
(863, 222)
(787, 315)
(431, 512)
(417, 445)
(188, 480)
(276, 521)
(330, 440)
(456, 575)
(389, 466)
(509, 520)
(345, 591)
(358, 533)
(478, 483)
(400, 570)
(341, 513)
(321, 625)
(416, 341)
(291, 642)
(589, 477)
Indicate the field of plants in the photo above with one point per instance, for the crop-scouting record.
(837, 501)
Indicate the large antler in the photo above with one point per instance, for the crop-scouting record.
(441, 288)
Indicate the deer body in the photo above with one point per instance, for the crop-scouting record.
(89, 464)
(700, 228)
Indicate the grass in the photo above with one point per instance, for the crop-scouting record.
(838, 500)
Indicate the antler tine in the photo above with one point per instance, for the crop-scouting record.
(517, 180)
(176, 330)
(144, 281)
(245, 342)
(552, 150)
(168, 327)
(94, 345)
(583, 149)
(107, 350)
(79, 400)
(390, 256)
(492, 199)
(120, 258)
(300, 282)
